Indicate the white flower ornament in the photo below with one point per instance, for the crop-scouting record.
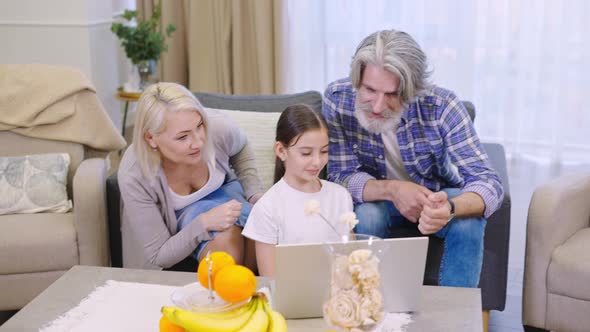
(312, 207)
(349, 218)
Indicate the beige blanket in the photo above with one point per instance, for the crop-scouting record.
(56, 103)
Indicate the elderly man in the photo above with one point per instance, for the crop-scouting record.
(408, 153)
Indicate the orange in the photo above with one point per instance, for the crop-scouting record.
(168, 326)
(235, 283)
(220, 259)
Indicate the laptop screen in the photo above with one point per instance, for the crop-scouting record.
(302, 275)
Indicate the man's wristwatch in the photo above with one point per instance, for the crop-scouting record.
(452, 210)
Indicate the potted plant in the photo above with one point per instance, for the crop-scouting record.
(144, 42)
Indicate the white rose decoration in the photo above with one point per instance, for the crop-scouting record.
(372, 304)
(356, 303)
(359, 256)
(369, 284)
(343, 310)
(341, 278)
(349, 219)
(312, 207)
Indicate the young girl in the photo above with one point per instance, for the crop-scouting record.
(280, 215)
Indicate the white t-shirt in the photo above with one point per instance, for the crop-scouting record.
(279, 216)
(226, 140)
(394, 165)
(216, 178)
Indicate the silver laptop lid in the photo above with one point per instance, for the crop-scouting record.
(302, 276)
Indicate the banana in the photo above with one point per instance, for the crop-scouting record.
(277, 321)
(214, 322)
(256, 316)
(233, 313)
(259, 320)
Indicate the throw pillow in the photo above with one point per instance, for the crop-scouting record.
(34, 183)
(260, 128)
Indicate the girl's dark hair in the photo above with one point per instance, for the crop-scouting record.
(293, 122)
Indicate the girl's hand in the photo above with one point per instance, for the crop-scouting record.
(221, 217)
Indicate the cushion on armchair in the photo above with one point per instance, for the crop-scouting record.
(34, 183)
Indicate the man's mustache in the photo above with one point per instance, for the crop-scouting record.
(366, 107)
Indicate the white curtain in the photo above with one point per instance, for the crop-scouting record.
(524, 63)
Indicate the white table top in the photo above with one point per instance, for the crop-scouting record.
(441, 309)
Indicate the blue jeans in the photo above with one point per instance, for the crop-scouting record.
(463, 252)
(225, 193)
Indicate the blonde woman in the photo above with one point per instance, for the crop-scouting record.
(179, 191)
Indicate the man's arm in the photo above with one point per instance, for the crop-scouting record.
(343, 164)
(469, 204)
(408, 197)
(467, 153)
(482, 192)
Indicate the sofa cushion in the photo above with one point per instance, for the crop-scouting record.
(37, 242)
(18, 145)
(34, 183)
(260, 129)
(569, 270)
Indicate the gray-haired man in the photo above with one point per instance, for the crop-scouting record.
(409, 154)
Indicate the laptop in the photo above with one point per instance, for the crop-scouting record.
(302, 276)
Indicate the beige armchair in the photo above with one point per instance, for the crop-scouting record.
(36, 249)
(556, 288)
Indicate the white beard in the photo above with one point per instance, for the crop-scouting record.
(376, 126)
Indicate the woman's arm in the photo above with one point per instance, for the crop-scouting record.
(265, 256)
(244, 165)
(143, 218)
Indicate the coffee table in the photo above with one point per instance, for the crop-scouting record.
(442, 308)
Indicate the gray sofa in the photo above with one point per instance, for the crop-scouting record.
(495, 266)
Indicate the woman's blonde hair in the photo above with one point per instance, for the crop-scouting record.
(154, 102)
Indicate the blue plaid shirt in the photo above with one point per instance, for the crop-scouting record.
(437, 141)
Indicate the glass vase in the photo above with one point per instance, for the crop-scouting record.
(355, 300)
(147, 73)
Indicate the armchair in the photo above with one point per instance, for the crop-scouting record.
(36, 249)
(556, 292)
(53, 109)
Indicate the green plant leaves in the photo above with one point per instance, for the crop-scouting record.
(143, 41)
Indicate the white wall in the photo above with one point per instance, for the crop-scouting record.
(68, 32)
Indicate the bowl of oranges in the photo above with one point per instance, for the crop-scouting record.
(222, 285)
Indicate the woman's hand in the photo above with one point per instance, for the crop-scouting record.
(222, 216)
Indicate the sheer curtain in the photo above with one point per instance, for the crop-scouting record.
(525, 64)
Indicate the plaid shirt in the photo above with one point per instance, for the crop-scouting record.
(437, 141)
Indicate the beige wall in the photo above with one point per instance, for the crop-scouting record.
(68, 32)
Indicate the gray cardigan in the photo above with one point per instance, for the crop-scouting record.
(149, 225)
